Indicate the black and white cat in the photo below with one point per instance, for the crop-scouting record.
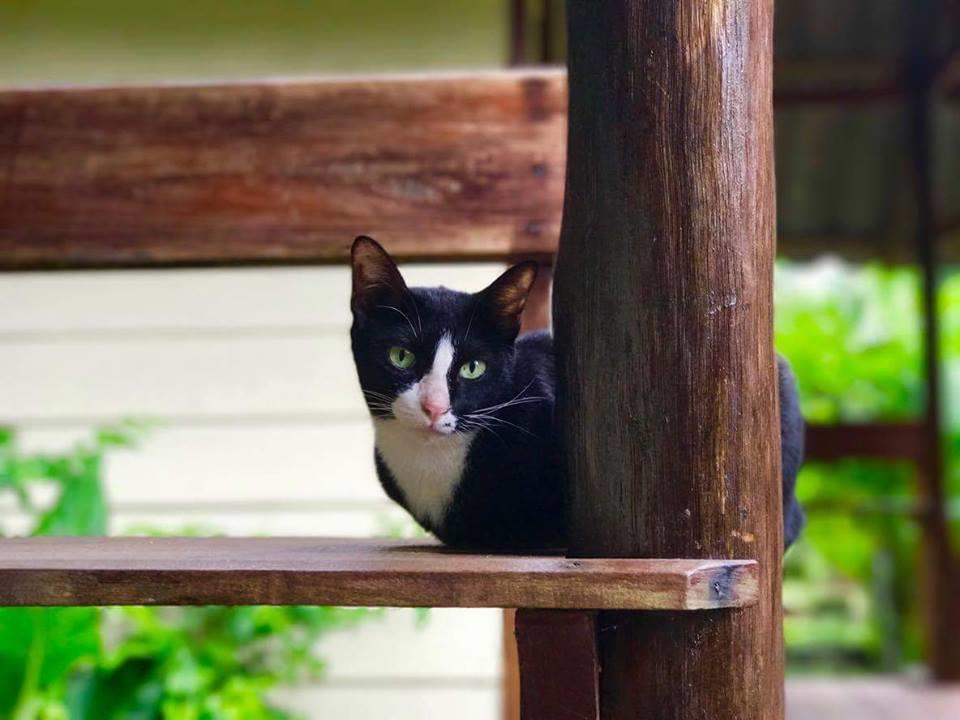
(463, 408)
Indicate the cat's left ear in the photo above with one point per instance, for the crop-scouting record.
(507, 295)
(376, 279)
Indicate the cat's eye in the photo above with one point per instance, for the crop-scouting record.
(473, 369)
(401, 357)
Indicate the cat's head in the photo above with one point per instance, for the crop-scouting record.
(428, 358)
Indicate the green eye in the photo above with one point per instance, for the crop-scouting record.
(401, 357)
(473, 369)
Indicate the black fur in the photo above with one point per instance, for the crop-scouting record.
(511, 492)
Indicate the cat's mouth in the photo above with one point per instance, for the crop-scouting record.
(441, 427)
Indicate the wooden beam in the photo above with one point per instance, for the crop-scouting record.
(886, 441)
(517, 24)
(450, 166)
(837, 82)
(441, 167)
(325, 571)
(559, 664)
(941, 574)
(663, 319)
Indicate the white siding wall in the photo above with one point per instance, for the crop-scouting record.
(258, 428)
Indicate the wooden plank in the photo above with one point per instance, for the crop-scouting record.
(465, 166)
(324, 571)
(888, 441)
(663, 319)
(559, 664)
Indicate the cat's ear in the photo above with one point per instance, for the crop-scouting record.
(376, 279)
(507, 295)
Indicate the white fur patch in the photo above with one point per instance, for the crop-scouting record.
(427, 466)
(434, 386)
(426, 457)
(431, 388)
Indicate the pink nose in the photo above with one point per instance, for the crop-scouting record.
(433, 409)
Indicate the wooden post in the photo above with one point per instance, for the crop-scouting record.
(663, 321)
(559, 669)
(941, 577)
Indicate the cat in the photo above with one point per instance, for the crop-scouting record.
(462, 407)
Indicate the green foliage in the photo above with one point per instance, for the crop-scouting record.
(854, 338)
(206, 663)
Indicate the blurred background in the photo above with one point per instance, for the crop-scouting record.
(224, 401)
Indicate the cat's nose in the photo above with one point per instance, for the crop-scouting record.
(433, 410)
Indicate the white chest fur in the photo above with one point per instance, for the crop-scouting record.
(427, 466)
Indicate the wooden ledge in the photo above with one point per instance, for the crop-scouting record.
(325, 571)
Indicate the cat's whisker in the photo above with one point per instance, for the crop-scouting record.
(377, 397)
(518, 396)
(417, 311)
(511, 403)
(469, 325)
(396, 309)
(472, 425)
(505, 422)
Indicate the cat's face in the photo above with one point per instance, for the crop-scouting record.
(430, 358)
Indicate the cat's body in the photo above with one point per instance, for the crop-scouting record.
(463, 409)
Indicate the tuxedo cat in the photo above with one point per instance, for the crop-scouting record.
(463, 408)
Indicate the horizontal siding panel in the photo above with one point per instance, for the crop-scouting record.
(196, 520)
(385, 519)
(395, 703)
(451, 643)
(219, 377)
(241, 464)
(141, 301)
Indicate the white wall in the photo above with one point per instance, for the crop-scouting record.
(258, 428)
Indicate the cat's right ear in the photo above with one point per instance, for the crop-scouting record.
(376, 279)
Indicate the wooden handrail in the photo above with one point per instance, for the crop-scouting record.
(466, 166)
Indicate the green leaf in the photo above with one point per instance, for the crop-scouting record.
(37, 648)
(81, 508)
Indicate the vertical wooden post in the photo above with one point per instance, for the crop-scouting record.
(663, 320)
(559, 669)
(940, 571)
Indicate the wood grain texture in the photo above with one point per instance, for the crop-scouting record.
(663, 317)
(331, 571)
(559, 664)
(271, 172)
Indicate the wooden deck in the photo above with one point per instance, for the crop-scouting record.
(876, 698)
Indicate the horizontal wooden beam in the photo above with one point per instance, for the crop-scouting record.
(836, 82)
(441, 166)
(884, 441)
(323, 571)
